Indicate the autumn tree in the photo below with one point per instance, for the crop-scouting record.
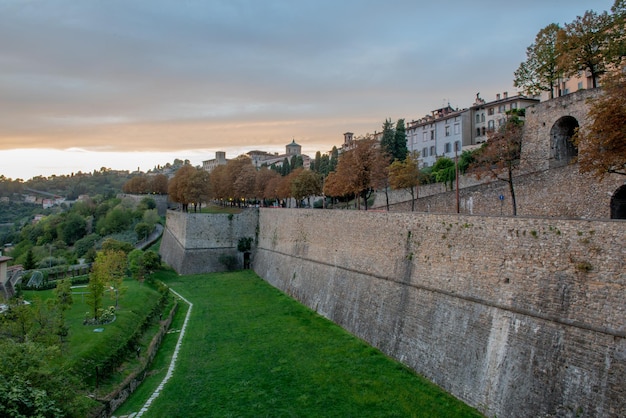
(602, 143)
(406, 175)
(305, 184)
(219, 183)
(178, 186)
(583, 45)
(540, 72)
(500, 155)
(362, 169)
(241, 176)
(274, 188)
(334, 187)
(198, 188)
(136, 185)
(158, 184)
(263, 177)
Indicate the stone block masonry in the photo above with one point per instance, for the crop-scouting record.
(519, 317)
(194, 242)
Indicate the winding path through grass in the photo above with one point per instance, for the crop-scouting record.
(170, 370)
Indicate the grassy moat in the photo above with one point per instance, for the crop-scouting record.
(250, 351)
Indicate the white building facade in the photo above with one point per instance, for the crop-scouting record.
(489, 116)
(439, 134)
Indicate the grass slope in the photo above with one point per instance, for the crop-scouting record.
(251, 351)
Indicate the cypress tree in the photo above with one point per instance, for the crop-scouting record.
(387, 142)
(399, 142)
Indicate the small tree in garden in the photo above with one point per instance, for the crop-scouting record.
(98, 279)
(135, 265)
(116, 266)
(108, 270)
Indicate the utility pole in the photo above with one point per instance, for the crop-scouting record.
(456, 168)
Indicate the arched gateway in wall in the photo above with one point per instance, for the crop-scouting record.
(618, 204)
(562, 148)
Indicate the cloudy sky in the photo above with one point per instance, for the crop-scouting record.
(86, 84)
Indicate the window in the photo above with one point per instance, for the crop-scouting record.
(477, 131)
(432, 134)
(448, 147)
(447, 130)
(501, 109)
(491, 111)
(477, 118)
(482, 117)
(580, 85)
(491, 125)
(432, 152)
(424, 152)
(483, 130)
(457, 128)
(513, 105)
(425, 136)
(457, 145)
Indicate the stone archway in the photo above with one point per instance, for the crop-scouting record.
(618, 204)
(562, 149)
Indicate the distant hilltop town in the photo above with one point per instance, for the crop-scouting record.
(261, 158)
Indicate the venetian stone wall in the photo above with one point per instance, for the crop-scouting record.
(559, 192)
(544, 185)
(537, 144)
(159, 200)
(519, 317)
(194, 242)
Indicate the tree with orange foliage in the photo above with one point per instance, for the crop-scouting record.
(263, 178)
(304, 184)
(360, 171)
(602, 143)
(406, 175)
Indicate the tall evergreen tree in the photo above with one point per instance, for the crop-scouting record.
(334, 159)
(285, 168)
(387, 142)
(317, 162)
(400, 149)
(324, 167)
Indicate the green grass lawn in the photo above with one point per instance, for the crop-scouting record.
(251, 351)
(212, 208)
(84, 346)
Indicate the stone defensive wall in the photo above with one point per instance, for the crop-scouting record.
(517, 316)
(160, 200)
(195, 242)
(557, 192)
